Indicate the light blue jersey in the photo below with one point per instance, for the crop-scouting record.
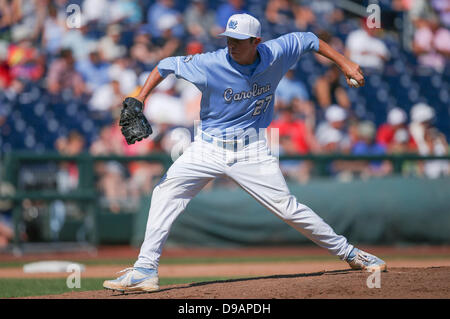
(235, 97)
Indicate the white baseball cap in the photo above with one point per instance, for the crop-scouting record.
(422, 112)
(166, 22)
(396, 116)
(242, 26)
(335, 113)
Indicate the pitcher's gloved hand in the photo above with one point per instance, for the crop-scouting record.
(134, 125)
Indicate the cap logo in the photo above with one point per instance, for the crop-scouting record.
(232, 24)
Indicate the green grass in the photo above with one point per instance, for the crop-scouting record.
(16, 287)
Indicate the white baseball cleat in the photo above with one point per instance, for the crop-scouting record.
(359, 259)
(134, 280)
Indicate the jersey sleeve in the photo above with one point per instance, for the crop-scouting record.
(188, 67)
(294, 44)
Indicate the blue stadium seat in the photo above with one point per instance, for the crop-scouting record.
(405, 81)
(29, 141)
(6, 108)
(437, 81)
(52, 125)
(20, 126)
(392, 101)
(6, 147)
(39, 109)
(382, 95)
(87, 126)
(399, 66)
(444, 96)
(413, 96)
(16, 139)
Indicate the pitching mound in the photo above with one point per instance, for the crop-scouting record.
(404, 283)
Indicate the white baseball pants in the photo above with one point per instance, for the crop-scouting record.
(254, 169)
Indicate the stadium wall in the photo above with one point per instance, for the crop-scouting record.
(393, 210)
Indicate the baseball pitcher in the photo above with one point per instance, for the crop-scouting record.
(238, 85)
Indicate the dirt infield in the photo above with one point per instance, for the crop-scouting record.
(413, 272)
(403, 283)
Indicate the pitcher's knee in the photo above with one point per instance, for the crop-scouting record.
(171, 190)
(159, 192)
(289, 208)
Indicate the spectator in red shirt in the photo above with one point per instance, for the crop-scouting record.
(302, 139)
(24, 61)
(295, 137)
(396, 120)
(5, 75)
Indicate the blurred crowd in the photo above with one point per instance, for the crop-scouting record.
(62, 86)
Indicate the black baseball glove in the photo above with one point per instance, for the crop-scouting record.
(134, 125)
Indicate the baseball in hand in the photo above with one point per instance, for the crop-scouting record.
(354, 83)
